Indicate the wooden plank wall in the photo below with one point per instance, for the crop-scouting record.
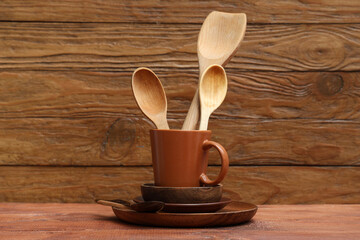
(70, 130)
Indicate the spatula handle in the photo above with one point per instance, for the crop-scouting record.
(193, 114)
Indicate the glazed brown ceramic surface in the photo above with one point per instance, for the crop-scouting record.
(180, 158)
(188, 207)
(234, 213)
(209, 194)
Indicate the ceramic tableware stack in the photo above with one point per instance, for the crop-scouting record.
(182, 194)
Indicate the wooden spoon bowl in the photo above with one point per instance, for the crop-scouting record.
(212, 90)
(150, 96)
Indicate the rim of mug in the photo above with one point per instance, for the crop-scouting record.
(178, 130)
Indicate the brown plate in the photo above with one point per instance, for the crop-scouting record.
(234, 213)
(192, 207)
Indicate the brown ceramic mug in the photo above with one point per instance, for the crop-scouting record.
(180, 158)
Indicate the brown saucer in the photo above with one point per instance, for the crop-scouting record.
(234, 213)
(192, 207)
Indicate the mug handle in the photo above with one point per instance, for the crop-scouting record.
(204, 179)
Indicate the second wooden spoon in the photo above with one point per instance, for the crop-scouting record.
(212, 92)
(150, 96)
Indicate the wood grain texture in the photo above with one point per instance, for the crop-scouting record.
(277, 95)
(90, 221)
(66, 102)
(125, 141)
(258, 185)
(260, 11)
(123, 47)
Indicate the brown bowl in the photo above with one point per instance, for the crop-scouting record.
(150, 192)
(191, 207)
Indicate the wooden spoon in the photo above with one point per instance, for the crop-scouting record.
(150, 96)
(212, 92)
(219, 39)
(148, 206)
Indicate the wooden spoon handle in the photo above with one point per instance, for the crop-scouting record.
(113, 204)
(204, 119)
(193, 114)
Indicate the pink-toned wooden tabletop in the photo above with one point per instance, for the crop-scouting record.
(92, 221)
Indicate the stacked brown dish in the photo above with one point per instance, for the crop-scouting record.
(182, 207)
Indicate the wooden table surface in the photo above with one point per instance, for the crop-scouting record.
(92, 221)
